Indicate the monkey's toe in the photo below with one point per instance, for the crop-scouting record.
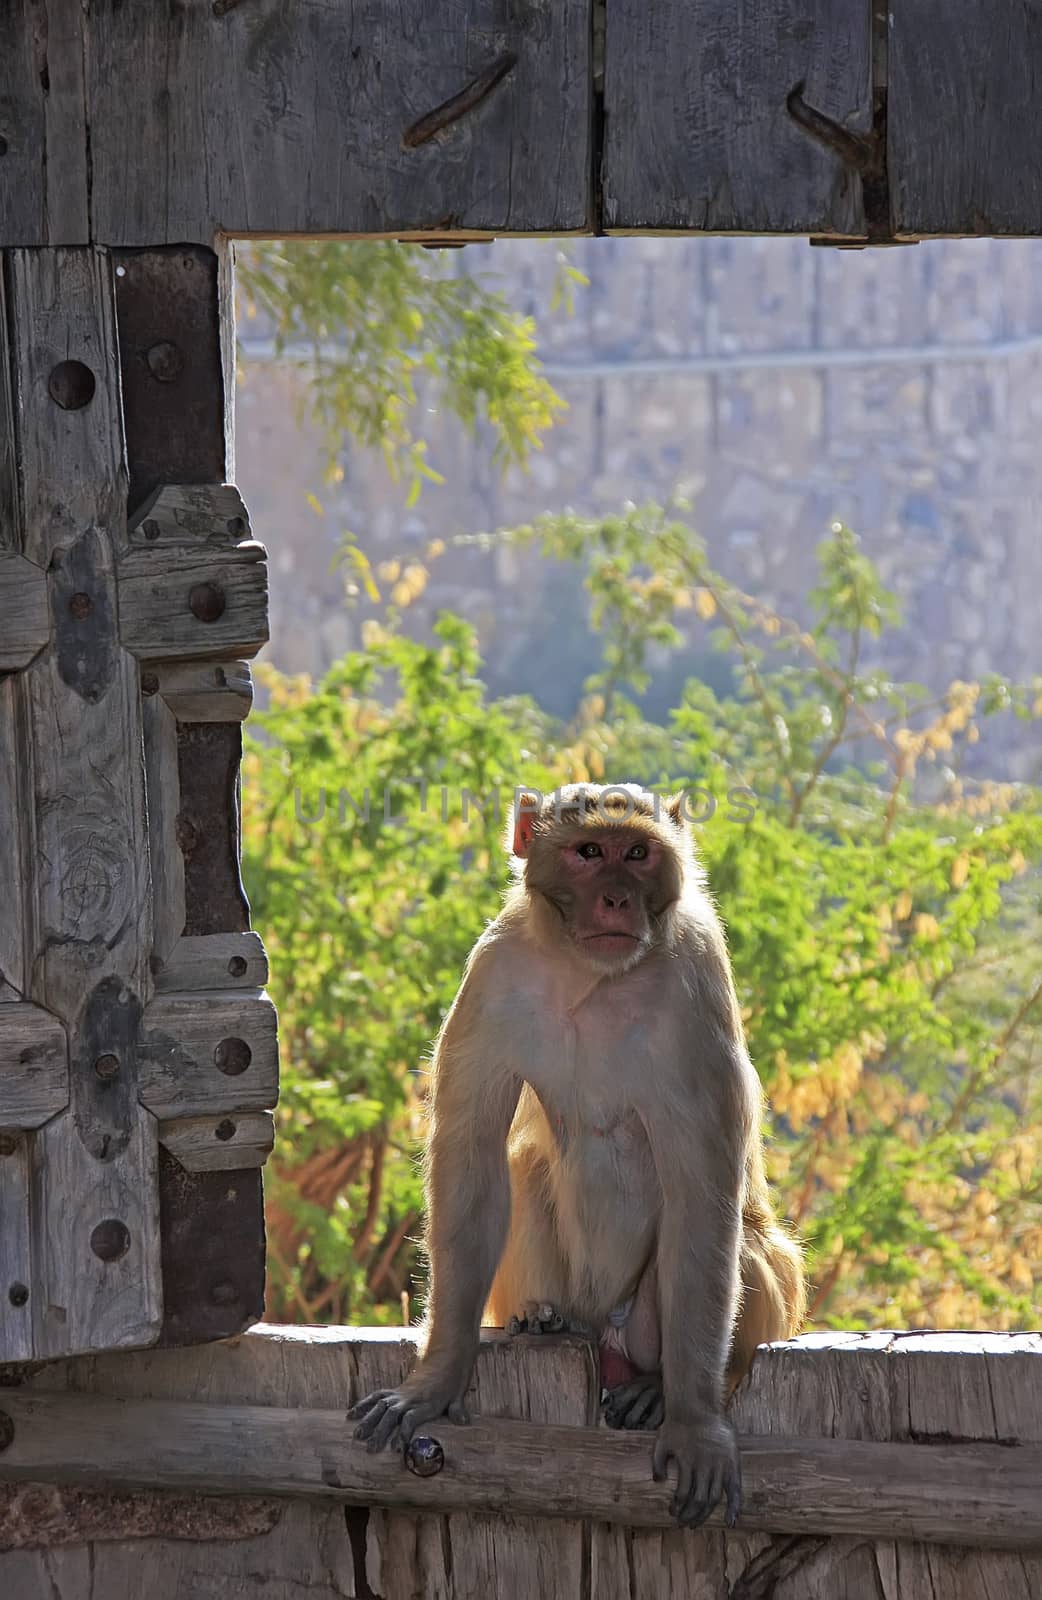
(637, 1405)
(540, 1317)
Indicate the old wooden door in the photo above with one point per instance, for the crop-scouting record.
(137, 1049)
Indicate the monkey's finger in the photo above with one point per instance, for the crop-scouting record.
(386, 1425)
(458, 1412)
(515, 1326)
(639, 1412)
(412, 1417)
(685, 1478)
(660, 1459)
(734, 1494)
(361, 1408)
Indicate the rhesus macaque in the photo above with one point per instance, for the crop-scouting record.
(595, 1159)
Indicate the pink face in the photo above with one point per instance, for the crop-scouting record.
(610, 877)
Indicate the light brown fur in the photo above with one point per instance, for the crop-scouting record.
(595, 1137)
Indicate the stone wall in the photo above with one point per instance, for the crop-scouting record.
(777, 385)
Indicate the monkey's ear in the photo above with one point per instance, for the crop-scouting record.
(675, 811)
(526, 809)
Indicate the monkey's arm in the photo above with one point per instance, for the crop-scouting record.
(468, 1207)
(699, 1133)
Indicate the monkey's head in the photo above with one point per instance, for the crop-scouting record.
(610, 861)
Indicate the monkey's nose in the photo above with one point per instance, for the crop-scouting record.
(616, 901)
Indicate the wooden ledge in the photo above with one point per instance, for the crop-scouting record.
(983, 1495)
(934, 1437)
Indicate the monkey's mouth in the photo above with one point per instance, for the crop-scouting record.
(612, 938)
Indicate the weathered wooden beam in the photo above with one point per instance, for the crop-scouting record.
(215, 961)
(201, 1055)
(223, 1142)
(34, 1066)
(201, 691)
(962, 118)
(94, 1227)
(965, 1494)
(177, 344)
(261, 118)
(698, 131)
(24, 619)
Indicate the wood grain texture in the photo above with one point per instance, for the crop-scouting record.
(210, 515)
(214, 961)
(74, 476)
(979, 1495)
(24, 619)
(204, 691)
(34, 1066)
(15, 844)
(16, 1272)
(160, 617)
(284, 120)
(208, 1053)
(44, 189)
(89, 932)
(962, 118)
(697, 135)
(222, 1143)
(163, 790)
(83, 1302)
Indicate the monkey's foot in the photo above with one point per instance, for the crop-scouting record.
(538, 1317)
(636, 1405)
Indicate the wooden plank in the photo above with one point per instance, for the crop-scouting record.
(179, 426)
(15, 846)
(16, 1275)
(208, 755)
(212, 1224)
(216, 961)
(952, 1386)
(43, 196)
(210, 1053)
(962, 109)
(167, 301)
(163, 791)
(189, 514)
(176, 602)
(93, 1166)
(220, 1143)
(96, 1270)
(312, 119)
(203, 691)
(25, 624)
(697, 131)
(977, 1495)
(34, 1066)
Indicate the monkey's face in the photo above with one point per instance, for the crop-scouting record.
(610, 886)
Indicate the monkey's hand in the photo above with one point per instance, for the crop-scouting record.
(393, 1415)
(708, 1469)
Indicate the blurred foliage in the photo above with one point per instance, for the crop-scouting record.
(384, 325)
(880, 906)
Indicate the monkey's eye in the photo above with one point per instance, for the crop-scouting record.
(638, 852)
(589, 851)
